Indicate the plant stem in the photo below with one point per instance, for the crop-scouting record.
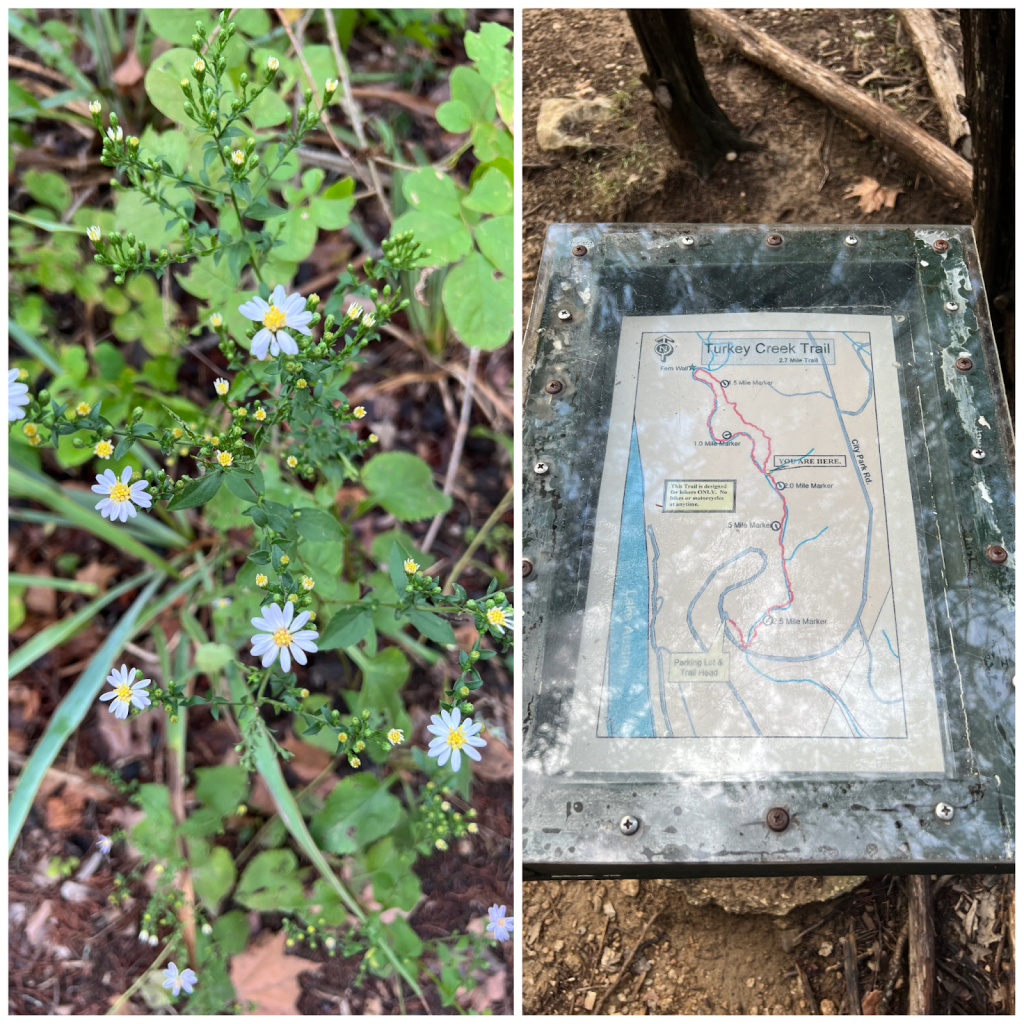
(503, 506)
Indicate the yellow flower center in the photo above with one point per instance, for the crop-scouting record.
(456, 738)
(496, 617)
(104, 449)
(274, 318)
(282, 637)
(500, 922)
(119, 493)
(124, 692)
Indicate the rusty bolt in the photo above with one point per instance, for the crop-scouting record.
(778, 819)
(774, 240)
(996, 554)
(527, 567)
(579, 250)
(553, 387)
(940, 245)
(963, 364)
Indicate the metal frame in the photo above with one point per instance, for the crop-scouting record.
(647, 826)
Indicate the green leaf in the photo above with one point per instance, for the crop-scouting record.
(488, 49)
(222, 787)
(403, 485)
(49, 188)
(177, 24)
(431, 190)
(346, 628)
(213, 876)
(271, 882)
(297, 232)
(261, 208)
(197, 493)
(357, 811)
(384, 675)
(454, 116)
(472, 89)
(495, 238)
(211, 658)
(447, 237)
(318, 526)
(331, 209)
(492, 193)
(432, 626)
(163, 82)
(71, 712)
(394, 882)
(154, 835)
(231, 932)
(478, 301)
(396, 568)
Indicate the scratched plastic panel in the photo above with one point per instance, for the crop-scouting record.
(771, 555)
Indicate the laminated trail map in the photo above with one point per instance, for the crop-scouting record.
(755, 601)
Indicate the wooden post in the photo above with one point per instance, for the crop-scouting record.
(922, 945)
(698, 128)
(988, 75)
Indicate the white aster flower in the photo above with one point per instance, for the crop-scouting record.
(260, 414)
(104, 843)
(272, 64)
(238, 158)
(103, 450)
(93, 232)
(153, 940)
(127, 690)
(207, 928)
(115, 134)
(185, 980)
(118, 503)
(282, 311)
(452, 736)
(225, 458)
(330, 85)
(221, 602)
(143, 935)
(411, 567)
(216, 320)
(220, 385)
(359, 412)
(95, 107)
(282, 634)
(17, 396)
(368, 321)
(500, 618)
(199, 65)
(307, 583)
(396, 736)
(261, 580)
(355, 311)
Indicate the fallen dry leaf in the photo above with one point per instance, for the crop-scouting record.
(495, 763)
(491, 991)
(64, 811)
(266, 976)
(98, 573)
(129, 72)
(869, 1002)
(39, 923)
(871, 196)
(309, 761)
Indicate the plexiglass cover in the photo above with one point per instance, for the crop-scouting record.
(768, 617)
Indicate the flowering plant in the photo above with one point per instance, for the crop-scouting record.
(261, 593)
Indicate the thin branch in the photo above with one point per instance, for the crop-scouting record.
(460, 440)
(354, 112)
(503, 506)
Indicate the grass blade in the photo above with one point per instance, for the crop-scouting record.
(288, 809)
(60, 632)
(19, 579)
(71, 713)
(21, 485)
(32, 347)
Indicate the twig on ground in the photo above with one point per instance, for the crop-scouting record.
(894, 972)
(460, 440)
(503, 506)
(137, 983)
(324, 118)
(625, 966)
(805, 984)
(849, 944)
(354, 112)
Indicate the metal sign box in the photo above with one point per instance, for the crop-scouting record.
(768, 555)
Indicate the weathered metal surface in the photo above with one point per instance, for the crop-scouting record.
(691, 825)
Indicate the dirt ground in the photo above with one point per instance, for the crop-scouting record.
(809, 160)
(700, 959)
(680, 957)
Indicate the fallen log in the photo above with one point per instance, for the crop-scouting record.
(950, 172)
(943, 72)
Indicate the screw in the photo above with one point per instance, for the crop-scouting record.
(628, 825)
(774, 240)
(996, 553)
(553, 387)
(778, 819)
(541, 468)
(564, 314)
(899, 319)
(963, 364)
(944, 811)
(978, 454)
(527, 567)
(851, 240)
(579, 250)
(687, 239)
(940, 245)
(952, 307)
